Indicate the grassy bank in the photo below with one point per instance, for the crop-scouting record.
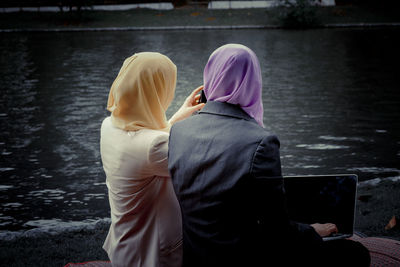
(190, 16)
(377, 205)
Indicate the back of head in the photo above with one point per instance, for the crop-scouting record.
(142, 92)
(233, 75)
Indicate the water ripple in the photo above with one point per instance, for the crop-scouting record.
(322, 146)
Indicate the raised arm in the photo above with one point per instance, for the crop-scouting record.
(188, 107)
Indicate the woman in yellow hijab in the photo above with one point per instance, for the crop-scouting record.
(145, 215)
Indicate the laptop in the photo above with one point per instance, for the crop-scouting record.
(323, 199)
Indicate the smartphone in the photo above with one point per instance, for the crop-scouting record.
(202, 98)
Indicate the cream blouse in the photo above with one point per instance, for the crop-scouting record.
(146, 227)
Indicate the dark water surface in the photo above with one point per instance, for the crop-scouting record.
(332, 96)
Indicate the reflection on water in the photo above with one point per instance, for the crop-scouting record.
(330, 95)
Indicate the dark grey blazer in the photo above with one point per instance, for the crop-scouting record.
(226, 174)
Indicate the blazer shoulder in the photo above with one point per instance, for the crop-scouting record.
(266, 159)
(261, 135)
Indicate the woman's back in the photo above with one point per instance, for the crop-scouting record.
(146, 224)
(146, 219)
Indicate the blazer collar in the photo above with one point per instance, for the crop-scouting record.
(225, 109)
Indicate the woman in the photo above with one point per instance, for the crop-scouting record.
(226, 172)
(145, 215)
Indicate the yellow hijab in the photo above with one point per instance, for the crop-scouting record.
(142, 92)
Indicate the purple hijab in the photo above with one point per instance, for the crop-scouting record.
(233, 75)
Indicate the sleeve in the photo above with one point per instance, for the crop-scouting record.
(270, 194)
(158, 155)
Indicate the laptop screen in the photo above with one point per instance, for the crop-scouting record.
(322, 199)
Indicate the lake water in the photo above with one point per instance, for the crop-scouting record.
(332, 96)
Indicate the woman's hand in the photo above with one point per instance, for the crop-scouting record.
(324, 229)
(189, 106)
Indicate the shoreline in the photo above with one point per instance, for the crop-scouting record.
(42, 227)
(366, 191)
(189, 28)
(193, 18)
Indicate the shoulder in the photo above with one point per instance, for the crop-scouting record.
(122, 140)
(268, 141)
(106, 124)
(266, 158)
(145, 139)
(186, 123)
(106, 121)
(156, 142)
(249, 131)
(154, 137)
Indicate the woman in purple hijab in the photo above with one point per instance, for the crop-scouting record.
(233, 75)
(226, 172)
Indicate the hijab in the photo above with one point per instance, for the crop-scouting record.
(142, 92)
(233, 75)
